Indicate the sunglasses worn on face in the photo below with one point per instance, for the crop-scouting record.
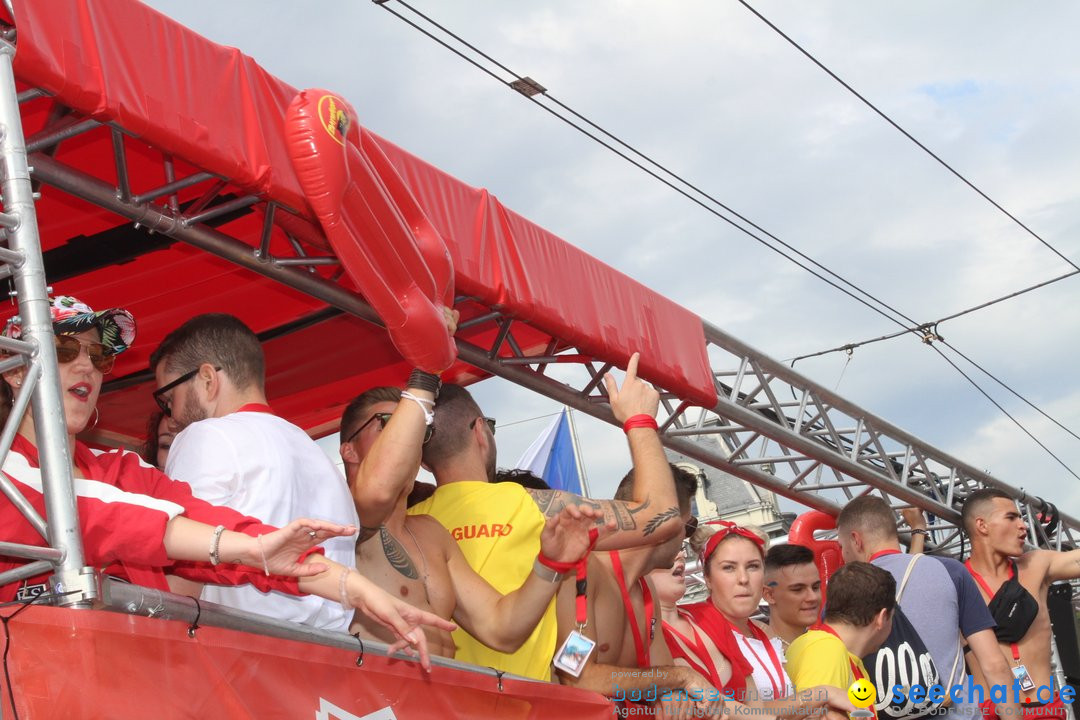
(489, 420)
(68, 348)
(166, 403)
(382, 419)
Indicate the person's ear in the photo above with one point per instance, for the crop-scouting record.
(767, 593)
(15, 377)
(348, 453)
(210, 380)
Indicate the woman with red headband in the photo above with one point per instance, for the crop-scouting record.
(733, 562)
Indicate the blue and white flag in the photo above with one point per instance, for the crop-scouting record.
(552, 457)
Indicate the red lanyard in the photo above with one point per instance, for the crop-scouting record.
(855, 672)
(641, 641)
(990, 596)
(778, 685)
(883, 553)
(700, 651)
(255, 407)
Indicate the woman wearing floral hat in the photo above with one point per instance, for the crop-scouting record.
(136, 522)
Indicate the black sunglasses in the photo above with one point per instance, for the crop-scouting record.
(166, 403)
(384, 418)
(489, 420)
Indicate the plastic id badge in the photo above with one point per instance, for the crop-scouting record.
(574, 653)
(1026, 683)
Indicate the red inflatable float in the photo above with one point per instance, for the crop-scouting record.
(383, 239)
(827, 555)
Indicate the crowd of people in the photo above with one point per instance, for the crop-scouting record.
(233, 504)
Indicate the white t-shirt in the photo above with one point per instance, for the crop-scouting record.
(266, 467)
(765, 675)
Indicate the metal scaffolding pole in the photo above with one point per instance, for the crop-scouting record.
(72, 578)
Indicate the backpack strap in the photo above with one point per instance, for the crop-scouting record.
(907, 574)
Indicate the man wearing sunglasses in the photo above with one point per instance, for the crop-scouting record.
(498, 526)
(234, 451)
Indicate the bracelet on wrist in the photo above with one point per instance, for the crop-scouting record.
(420, 380)
(548, 574)
(639, 421)
(920, 531)
(215, 543)
(429, 414)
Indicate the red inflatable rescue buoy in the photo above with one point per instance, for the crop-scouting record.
(827, 554)
(383, 239)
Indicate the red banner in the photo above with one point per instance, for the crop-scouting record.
(102, 664)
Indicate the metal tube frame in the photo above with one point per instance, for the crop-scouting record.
(71, 577)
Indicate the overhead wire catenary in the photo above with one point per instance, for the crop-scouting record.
(530, 89)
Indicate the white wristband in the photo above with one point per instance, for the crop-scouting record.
(429, 415)
(215, 542)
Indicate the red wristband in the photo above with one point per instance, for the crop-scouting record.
(565, 567)
(639, 421)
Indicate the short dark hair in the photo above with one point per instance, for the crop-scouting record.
(870, 515)
(787, 555)
(524, 478)
(455, 412)
(362, 403)
(149, 449)
(686, 484)
(976, 503)
(219, 339)
(857, 592)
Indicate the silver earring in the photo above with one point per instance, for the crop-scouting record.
(97, 416)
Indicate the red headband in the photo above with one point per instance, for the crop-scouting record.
(726, 529)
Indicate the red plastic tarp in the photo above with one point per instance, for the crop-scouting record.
(212, 108)
(98, 664)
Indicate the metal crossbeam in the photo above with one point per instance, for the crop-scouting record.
(771, 426)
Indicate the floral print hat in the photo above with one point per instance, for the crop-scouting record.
(71, 316)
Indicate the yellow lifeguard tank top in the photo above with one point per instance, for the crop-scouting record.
(497, 526)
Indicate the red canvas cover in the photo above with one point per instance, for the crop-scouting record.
(212, 108)
(98, 664)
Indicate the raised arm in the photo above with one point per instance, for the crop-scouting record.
(1062, 565)
(394, 459)
(652, 515)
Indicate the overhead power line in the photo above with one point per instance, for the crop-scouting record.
(906, 134)
(529, 89)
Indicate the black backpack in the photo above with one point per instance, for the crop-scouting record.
(903, 660)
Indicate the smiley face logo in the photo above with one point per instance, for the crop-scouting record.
(862, 693)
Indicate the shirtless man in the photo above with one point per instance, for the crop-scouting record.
(383, 432)
(997, 532)
(623, 615)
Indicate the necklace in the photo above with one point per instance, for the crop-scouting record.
(423, 559)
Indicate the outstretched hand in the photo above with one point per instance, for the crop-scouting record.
(451, 318)
(282, 548)
(635, 397)
(565, 537)
(402, 619)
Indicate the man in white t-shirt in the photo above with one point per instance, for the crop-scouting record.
(234, 451)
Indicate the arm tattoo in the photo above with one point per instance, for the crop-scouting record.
(658, 520)
(396, 555)
(552, 502)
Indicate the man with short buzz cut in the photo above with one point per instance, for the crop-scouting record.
(858, 618)
(792, 589)
(498, 525)
(413, 557)
(234, 451)
(941, 604)
(1015, 584)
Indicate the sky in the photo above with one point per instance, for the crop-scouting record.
(713, 93)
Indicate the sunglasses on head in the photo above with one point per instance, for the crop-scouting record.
(68, 348)
(489, 420)
(382, 419)
(166, 403)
